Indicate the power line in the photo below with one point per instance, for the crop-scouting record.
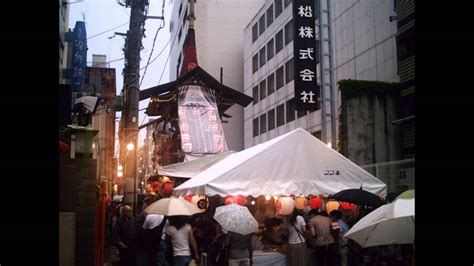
(107, 30)
(154, 40)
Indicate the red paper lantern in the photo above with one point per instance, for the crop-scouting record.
(167, 189)
(188, 198)
(241, 200)
(346, 205)
(315, 203)
(107, 199)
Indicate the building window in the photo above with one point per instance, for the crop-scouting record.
(287, 3)
(254, 32)
(185, 16)
(271, 84)
(263, 123)
(263, 89)
(255, 94)
(261, 25)
(269, 15)
(271, 119)
(289, 31)
(290, 110)
(255, 63)
(270, 50)
(289, 71)
(279, 78)
(406, 44)
(262, 56)
(279, 41)
(280, 114)
(278, 8)
(255, 127)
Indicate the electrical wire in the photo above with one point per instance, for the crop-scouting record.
(154, 40)
(107, 30)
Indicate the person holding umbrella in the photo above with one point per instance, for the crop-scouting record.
(239, 224)
(179, 230)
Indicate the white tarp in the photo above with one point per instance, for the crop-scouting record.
(192, 168)
(294, 163)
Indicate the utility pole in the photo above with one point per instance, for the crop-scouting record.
(131, 72)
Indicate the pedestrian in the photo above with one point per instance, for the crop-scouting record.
(325, 246)
(343, 241)
(181, 234)
(240, 249)
(297, 251)
(124, 236)
(155, 226)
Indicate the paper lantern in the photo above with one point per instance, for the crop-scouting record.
(201, 202)
(167, 189)
(241, 200)
(346, 205)
(148, 187)
(285, 205)
(315, 203)
(300, 202)
(188, 198)
(331, 206)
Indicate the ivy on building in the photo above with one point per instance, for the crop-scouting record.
(350, 88)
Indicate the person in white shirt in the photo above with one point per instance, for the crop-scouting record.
(297, 251)
(182, 237)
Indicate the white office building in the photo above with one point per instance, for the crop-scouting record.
(219, 28)
(364, 48)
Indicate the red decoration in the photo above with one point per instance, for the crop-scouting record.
(241, 200)
(167, 189)
(347, 205)
(107, 199)
(188, 198)
(315, 203)
(155, 185)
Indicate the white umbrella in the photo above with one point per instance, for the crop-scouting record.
(172, 207)
(236, 218)
(393, 223)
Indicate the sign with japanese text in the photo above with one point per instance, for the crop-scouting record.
(305, 56)
(79, 56)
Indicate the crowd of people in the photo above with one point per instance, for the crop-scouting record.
(309, 237)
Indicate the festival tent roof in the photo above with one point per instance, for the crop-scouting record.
(191, 168)
(294, 163)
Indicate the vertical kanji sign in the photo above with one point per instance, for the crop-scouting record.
(305, 56)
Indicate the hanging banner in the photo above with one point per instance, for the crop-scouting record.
(79, 56)
(305, 56)
(199, 121)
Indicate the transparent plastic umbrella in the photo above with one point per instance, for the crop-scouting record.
(236, 218)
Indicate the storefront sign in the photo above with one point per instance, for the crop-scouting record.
(79, 56)
(305, 56)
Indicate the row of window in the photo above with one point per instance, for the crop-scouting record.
(266, 121)
(274, 81)
(259, 27)
(273, 46)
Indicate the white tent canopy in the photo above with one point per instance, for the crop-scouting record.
(294, 163)
(192, 168)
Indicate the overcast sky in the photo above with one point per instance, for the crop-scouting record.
(103, 15)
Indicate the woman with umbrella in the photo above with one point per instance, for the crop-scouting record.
(179, 230)
(239, 224)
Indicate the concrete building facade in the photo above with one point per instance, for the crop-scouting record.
(218, 45)
(364, 48)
